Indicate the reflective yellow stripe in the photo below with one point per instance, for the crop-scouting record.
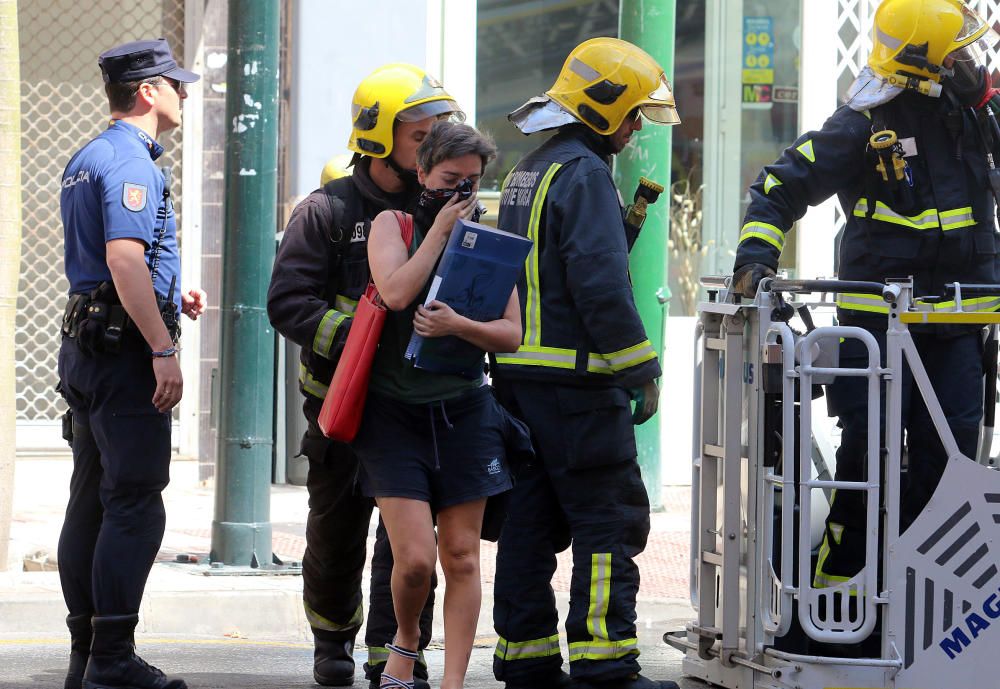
(318, 621)
(960, 217)
(631, 356)
(973, 318)
(552, 357)
(820, 578)
(533, 298)
(973, 304)
(345, 305)
(600, 595)
(761, 230)
(806, 149)
(310, 384)
(770, 183)
(523, 650)
(927, 220)
(600, 647)
(596, 363)
(597, 649)
(323, 339)
(556, 357)
(862, 302)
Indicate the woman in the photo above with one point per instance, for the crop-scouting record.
(432, 444)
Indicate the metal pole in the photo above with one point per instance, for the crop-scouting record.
(649, 156)
(241, 530)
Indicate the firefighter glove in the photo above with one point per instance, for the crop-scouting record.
(646, 398)
(748, 276)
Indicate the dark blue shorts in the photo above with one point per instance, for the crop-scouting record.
(444, 453)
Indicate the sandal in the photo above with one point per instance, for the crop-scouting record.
(390, 682)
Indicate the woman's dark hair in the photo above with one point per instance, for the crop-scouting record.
(449, 140)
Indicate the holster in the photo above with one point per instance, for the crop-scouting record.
(99, 322)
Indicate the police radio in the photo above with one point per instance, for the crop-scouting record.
(166, 306)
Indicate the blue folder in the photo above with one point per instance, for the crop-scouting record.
(475, 276)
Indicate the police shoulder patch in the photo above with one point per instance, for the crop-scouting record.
(134, 196)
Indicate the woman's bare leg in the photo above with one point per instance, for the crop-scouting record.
(411, 536)
(458, 548)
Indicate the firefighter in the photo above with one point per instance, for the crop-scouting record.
(907, 156)
(320, 270)
(584, 353)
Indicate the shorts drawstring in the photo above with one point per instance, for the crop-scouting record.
(444, 415)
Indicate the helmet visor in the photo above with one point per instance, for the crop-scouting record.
(660, 114)
(660, 107)
(978, 50)
(434, 108)
(972, 24)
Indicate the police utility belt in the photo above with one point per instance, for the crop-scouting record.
(99, 322)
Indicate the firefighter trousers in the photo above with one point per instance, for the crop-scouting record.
(954, 364)
(584, 490)
(336, 540)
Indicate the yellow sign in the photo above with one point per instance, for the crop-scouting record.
(758, 76)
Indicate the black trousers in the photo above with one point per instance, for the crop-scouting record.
(336, 540)
(954, 365)
(584, 489)
(121, 456)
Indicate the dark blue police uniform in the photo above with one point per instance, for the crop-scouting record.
(112, 189)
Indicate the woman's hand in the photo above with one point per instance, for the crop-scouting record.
(437, 319)
(452, 211)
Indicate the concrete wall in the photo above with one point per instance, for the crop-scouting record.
(334, 47)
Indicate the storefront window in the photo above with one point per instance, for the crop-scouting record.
(770, 95)
(687, 239)
(521, 46)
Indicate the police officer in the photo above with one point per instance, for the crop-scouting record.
(118, 367)
(320, 271)
(926, 85)
(584, 353)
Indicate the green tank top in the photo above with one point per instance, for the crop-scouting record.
(393, 374)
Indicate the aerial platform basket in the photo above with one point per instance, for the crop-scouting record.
(931, 597)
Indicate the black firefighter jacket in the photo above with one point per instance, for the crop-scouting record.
(939, 230)
(321, 270)
(580, 321)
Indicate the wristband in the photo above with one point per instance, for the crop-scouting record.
(169, 351)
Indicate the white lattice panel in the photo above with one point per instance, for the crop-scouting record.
(62, 106)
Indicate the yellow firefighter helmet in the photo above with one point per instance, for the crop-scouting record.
(394, 92)
(604, 79)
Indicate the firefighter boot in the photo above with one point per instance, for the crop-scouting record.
(113, 662)
(80, 634)
(333, 659)
(558, 681)
(630, 682)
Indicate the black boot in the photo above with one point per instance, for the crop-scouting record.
(629, 682)
(113, 662)
(80, 634)
(558, 681)
(333, 659)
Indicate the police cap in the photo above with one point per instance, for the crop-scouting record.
(140, 60)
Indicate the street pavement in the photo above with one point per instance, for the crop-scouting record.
(207, 663)
(231, 629)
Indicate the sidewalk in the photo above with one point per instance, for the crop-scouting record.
(182, 599)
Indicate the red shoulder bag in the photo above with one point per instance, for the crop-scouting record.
(344, 404)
